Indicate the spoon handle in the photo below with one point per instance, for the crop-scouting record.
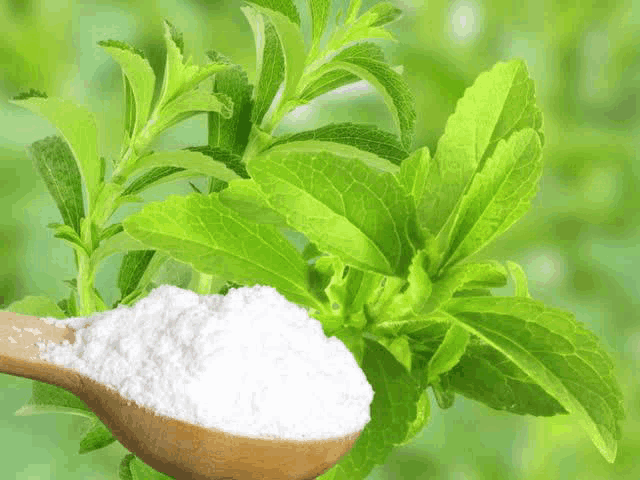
(20, 356)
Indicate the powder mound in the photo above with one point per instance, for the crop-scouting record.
(250, 363)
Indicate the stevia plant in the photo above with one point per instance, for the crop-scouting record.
(390, 231)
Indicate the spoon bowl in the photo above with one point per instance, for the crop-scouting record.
(171, 446)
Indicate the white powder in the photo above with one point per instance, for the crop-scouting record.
(249, 363)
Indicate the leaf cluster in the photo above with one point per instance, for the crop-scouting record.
(389, 232)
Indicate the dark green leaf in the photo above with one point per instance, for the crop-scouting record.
(231, 134)
(557, 353)
(393, 413)
(56, 165)
(132, 268)
(98, 436)
(364, 137)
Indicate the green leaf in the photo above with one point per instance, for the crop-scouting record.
(499, 103)
(65, 232)
(97, 436)
(180, 76)
(557, 352)
(399, 348)
(189, 104)
(231, 134)
(269, 63)
(202, 232)
(368, 138)
(499, 194)
(319, 85)
(449, 352)
(393, 412)
(486, 375)
(345, 207)
(37, 306)
(520, 279)
(319, 18)
(352, 12)
(367, 26)
(340, 149)
(191, 160)
(469, 275)
(285, 7)
(132, 268)
(78, 127)
(363, 60)
(422, 417)
(132, 468)
(410, 301)
(47, 398)
(139, 74)
(156, 177)
(291, 41)
(245, 197)
(414, 172)
(54, 161)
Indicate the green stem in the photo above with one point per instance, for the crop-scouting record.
(85, 274)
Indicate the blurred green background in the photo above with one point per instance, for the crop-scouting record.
(578, 244)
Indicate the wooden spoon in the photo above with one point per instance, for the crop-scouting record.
(171, 446)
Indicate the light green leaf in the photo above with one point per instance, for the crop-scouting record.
(202, 232)
(180, 76)
(194, 161)
(132, 468)
(191, 103)
(399, 348)
(291, 43)
(347, 286)
(360, 60)
(557, 352)
(499, 103)
(393, 413)
(65, 232)
(341, 149)
(319, 18)
(245, 197)
(96, 437)
(285, 7)
(368, 138)
(367, 26)
(154, 177)
(520, 279)
(499, 194)
(413, 174)
(54, 162)
(422, 417)
(269, 63)
(411, 301)
(449, 352)
(345, 207)
(47, 398)
(352, 12)
(38, 306)
(78, 127)
(319, 85)
(140, 75)
(467, 276)
(231, 134)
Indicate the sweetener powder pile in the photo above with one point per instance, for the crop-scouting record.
(249, 363)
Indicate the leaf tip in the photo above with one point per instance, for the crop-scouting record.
(175, 35)
(110, 43)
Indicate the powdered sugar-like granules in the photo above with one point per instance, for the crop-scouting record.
(249, 363)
